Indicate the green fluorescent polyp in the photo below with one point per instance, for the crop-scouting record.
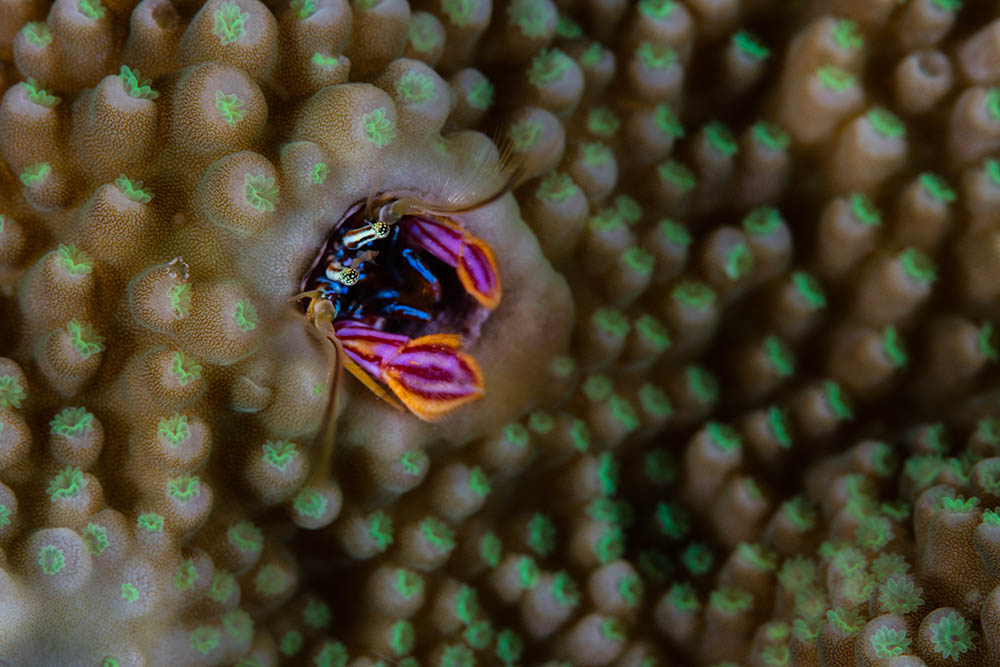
(568, 28)
(721, 139)
(184, 369)
(694, 295)
(657, 9)
(129, 592)
(722, 436)
(245, 315)
(548, 67)
(668, 122)
(204, 639)
(408, 583)
(739, 261)
(993, 172)
(598, 387)
(230, 107)
(35, 174)
(886, 123)
(655, 56)
(864, 210)
(92, 9)
(835, 79)
(184, 488)
(809, 289)
(260, 192)
(68, 483)
(612, 322)
(702, 384)
(38, 95)
(847, 35)
(937, 188)
(533, 18)
(516, 434)
(278, 454)
(525, 133)
(655, 401)
(229, 22)
(174, 429)
(918, 266)
(541, 422)
(541, 534)
(150, 522)
(674, 233)
(751, 45)
(135, 86)
(894, 348)
(416, 88)
(763, 221)
(380, 530)
(556, 187)
(490, 549)
(780, 355)
(84, 339)
(771, 136)
(270, 580)
(603, 122)
(778, 423)
(438, 534)
(837, 400)
(37, 34)
(596, 154)
(677, 175)
(71, 423)
(51, 559)
(413, 462)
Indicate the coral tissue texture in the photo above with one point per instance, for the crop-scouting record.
(741, 389)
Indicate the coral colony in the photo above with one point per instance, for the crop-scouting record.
(539, 333)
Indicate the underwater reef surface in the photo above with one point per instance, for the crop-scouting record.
(540, 332)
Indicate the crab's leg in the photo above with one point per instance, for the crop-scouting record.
(432, 376)
(471, 256)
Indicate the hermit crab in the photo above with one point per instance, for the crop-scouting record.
(398, 287)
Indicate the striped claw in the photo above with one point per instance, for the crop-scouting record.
(472, 257)
(431, 375)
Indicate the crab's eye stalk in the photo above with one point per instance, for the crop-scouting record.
(366, 234)
(346, 276)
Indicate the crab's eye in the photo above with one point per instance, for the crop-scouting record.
(346, 276)
(380, 229)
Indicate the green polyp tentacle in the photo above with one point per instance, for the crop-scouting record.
(548, 67)
(229, 22)
(35, 174)
(260, 192)
(39, 95)
(74, 261)
(230, 107)
(751, 45)
(84, 339)
(135, 85)
(379, 130)
(184, 369)
(133, 189)
(72, 422)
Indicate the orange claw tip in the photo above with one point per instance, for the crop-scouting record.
(433, 377)
(477, 269)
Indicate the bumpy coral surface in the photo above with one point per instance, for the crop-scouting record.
(738, 403)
